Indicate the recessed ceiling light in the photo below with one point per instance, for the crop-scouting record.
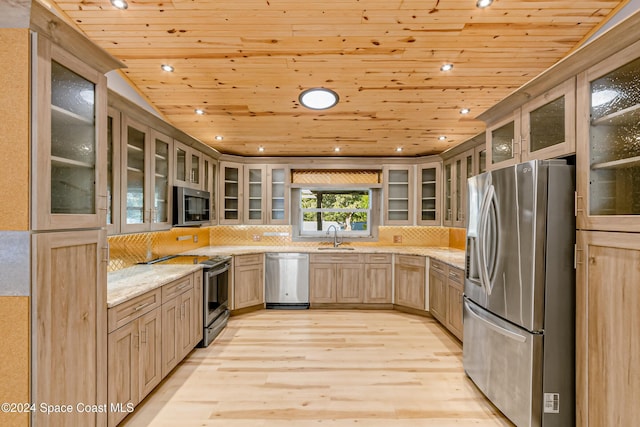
(446, 67)
(465, 111)
(199, 111)
(318, 98)
(166, 67)
(337, 149)
(399, 149)
(219, 137)
(261, 149)
(483, 3)
(442, 138)
(120, 4)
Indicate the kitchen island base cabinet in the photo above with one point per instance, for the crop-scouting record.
(607, 318)
(410, 281)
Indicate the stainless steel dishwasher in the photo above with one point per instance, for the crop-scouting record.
(287, 280)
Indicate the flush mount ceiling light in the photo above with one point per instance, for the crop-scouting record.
(337, 149)
(219, 137)
(166, 67)
(318, 98)
(120, 4)
(199, 111)
(446, 67)
(442, 138)
(465, 111)
(399, 149)
(261, 149)
(483, 3)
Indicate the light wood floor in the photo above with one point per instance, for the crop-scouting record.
(321, 367)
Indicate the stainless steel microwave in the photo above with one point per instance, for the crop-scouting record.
(191, 207)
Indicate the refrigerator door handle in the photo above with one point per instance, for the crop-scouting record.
(502, 331)
(482, 247)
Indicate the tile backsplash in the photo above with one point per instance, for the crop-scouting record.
(129, 249)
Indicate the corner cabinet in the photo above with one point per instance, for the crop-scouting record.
(410, 281)
(609, 130)
(69, 175)
(607, 342)
(543, 128)
(398, 195)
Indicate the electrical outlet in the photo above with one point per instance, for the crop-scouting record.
(257, 237)
(397, 238)
(195, 238)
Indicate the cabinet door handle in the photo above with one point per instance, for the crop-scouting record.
(136, 340)
(107, 253)
(141, 306)
(143, 336)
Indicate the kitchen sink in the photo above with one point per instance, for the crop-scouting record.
(345, 248)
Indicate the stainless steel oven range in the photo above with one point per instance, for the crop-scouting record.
(215, 285)
(216, 297)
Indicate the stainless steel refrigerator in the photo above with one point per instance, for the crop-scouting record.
(519, 304)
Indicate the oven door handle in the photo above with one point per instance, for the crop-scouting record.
(211, 273)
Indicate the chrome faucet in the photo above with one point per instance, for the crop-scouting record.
(336, 243)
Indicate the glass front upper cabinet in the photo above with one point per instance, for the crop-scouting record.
(448, 194)
(503, 140)
(549, 123)
(429, 198)
(71, 144)
(278, 192)
(610, 185)
(255, 194)
(399, 203)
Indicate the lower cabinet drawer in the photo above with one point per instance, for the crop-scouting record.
(130, 310)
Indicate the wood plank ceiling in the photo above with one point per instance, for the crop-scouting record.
(244, 62)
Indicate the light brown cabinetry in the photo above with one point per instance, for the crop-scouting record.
(278, 194)
(69, 175)
(178, 317)
(378, 279)
(336, 278)
(148, 336)
(429, 194)
(410, 281)
(446, 287)
(248, 281)
(398, 195)
(455, 291)
(255, 190)
(609, 129)
(438, 290)
(145, 179)
(456, 172)
(231, 193)
(542, 128)
(188, 166)
(607, 342)
(134, 358)
(70, 324)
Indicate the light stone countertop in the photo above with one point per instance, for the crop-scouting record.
(122, 285)
(451, 256)
(130, 282)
